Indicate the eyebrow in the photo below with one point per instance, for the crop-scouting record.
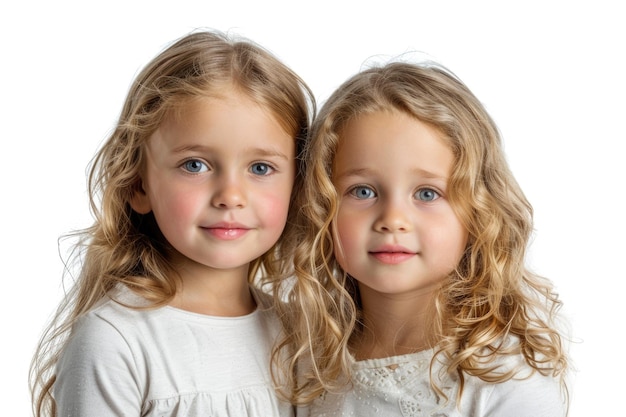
(356, 172)
(262, 152)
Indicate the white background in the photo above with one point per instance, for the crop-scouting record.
(550, 73)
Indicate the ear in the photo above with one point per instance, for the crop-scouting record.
(140, 202)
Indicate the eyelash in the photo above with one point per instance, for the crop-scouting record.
(353, 192)
(270, 169)
(430, 190)
(185, 166)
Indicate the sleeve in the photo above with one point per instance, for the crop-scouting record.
(536, 396)
(96, 374)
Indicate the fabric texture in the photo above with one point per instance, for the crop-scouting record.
(123, 361)
(400, 386)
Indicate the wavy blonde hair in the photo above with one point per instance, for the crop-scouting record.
(489, 297)
(123, 247)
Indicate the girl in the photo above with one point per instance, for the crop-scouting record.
(195, 188)
(414, 238)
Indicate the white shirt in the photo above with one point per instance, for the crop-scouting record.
(400, 386)
(168, 362)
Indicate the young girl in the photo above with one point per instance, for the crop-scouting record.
(414, 238)
(194, 187)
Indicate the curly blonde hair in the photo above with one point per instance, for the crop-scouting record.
(490, 296)
(124, 247)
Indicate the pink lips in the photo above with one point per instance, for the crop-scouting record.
(392, 254)
(227, 231)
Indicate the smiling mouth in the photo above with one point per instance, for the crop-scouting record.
(392, 257)
(227, 233)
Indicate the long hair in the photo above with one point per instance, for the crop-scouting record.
(125, 247)
(489, 297)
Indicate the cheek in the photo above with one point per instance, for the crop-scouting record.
(451, 241)
(459, 236)
(176, 207)
(271, 201)
(347, 234)
(274, 209)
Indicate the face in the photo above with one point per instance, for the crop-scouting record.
(218, 179)
(396, 232)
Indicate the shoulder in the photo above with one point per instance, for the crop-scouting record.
(106, 333)
(121, 327)
(99, 369)
(529, 394)
(93, 340)
(112, 316)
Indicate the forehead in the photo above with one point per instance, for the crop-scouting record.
(391, 140)
(227, 121)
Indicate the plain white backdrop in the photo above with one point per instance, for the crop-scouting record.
(551, 73)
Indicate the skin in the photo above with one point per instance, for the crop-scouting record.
(396, 232)
(218, 179)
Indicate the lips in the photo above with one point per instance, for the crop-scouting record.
(227, 231)
(392, 254)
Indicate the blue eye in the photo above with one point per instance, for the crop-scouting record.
(195, 166)
(427, 194)
(261, 169)
(362, 192)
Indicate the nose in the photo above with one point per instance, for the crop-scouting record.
(229, 193)
(393, 218)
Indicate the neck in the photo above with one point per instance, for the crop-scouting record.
(214, 292)
(393, 324)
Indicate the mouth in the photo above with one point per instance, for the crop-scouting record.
(392, 254)
(227, 231)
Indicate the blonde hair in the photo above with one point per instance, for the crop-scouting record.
(489, 297)
(124, 247)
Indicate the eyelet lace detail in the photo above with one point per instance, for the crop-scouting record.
(399, 384)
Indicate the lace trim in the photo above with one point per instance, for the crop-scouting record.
(404, 380)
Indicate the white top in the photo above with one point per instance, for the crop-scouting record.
(399, 386)
(168, 362)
